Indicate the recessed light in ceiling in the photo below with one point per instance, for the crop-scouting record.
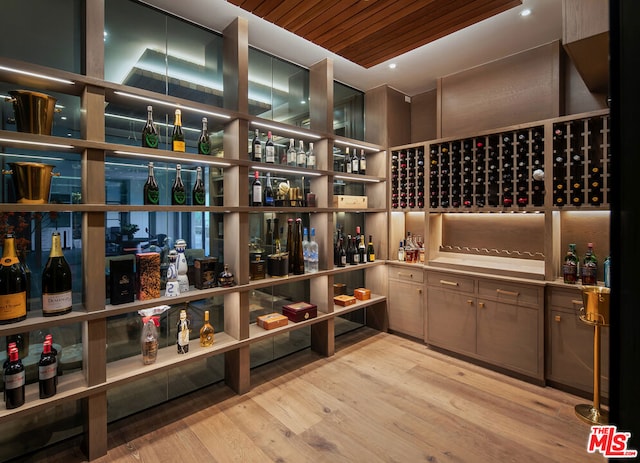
(525, 12)
(392, 66)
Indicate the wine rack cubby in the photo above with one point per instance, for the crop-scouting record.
(581, 154)
(408, 179)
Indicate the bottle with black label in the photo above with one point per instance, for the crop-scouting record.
(14, 381)
(13, 285)
(151, 193)
(56, 281)
(198, 195)
(178, 191)
(150, 136)
(47, 372)
(204, 142)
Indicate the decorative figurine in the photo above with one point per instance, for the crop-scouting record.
(183, 333)
(182, 266)
(173, 286)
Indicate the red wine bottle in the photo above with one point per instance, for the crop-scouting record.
(47, 372)
(14, 381)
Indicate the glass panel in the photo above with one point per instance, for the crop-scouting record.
(44, 32)
(349, 322)
(147, 49)
(280, 345)
(348, 111)
(24, 434)
(278, 90)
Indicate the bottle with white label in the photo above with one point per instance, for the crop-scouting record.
(311, 157)
(47, 371)
(56, 281)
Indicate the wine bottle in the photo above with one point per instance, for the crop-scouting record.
(48, 338)
(371, 253)
(291, 153)
(198, 195)
(56, 281)
(204, 142)
(363, 163)
(14, 380)
(342, 254)
(362, 250)
(276, 236)
(589, 267)
(151, 192)
(177, 138)
(47, 372)
(311, 157)
(256, 147)
(348, 162)
(355, 163)
(256, 190)
(313, 252)
(269, 200)
(13, 284)
(570, 266)
(150, 132)
(178, 191)
(206, 332)
(301, 155)
(268, 237)
(270, 150)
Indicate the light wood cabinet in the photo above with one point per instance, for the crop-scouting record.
(406, 296)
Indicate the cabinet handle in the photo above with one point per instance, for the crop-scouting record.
(576, 302)
(405, 275)
(448, 283)
(507, 293)
(419, 291)
(481, 305)
(557, 318)
(470, 301)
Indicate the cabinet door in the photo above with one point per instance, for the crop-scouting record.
(406, 314)
(570, 359)
(508, 336)
(451, 320)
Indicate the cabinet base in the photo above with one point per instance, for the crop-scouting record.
(590, 414)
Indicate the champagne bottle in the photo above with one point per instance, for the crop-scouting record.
(371, 254)
(150, 132)
(177, 138)
(291, 153)
(270, 150)
(47, 372)
(56, 281)
(206, 332)
(14, 380)
(301, 155)
(256, 147)
(256, 190)
(198, 195)
(178, 191)
(269, 200)
(204, 142)
(570, 266)
(311, 157)
(151, 191)
(13, 285)
(589, 267)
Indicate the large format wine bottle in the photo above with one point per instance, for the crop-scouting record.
(56, 281)
(14, 380)
(13, 285)
(178, 191)
(151, 191)
(150, 132)
(198, 194)
(177, 138)
(204, 142)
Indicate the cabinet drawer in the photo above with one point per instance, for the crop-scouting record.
(570, 298)
(514, 293)
(407, 274)
(451, 281)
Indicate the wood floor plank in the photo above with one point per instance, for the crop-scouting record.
(381, 398)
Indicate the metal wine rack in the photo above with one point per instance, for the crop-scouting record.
(501, 170)
(581, 162)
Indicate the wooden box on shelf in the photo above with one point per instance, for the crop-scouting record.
(362, 294)
(350, 202)
(344, 300)
(300, 311)
(148, 275)
(272, 320)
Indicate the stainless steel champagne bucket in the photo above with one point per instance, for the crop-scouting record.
(31, 181)
(34, 111)
(596, 305)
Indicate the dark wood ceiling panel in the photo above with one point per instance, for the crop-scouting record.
(369, 32)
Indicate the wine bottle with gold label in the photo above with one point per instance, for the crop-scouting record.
(13, 284)
(56, 281)
(177, 138)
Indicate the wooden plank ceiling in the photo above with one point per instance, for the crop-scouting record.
(369, 32)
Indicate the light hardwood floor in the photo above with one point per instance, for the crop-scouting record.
(381, 398)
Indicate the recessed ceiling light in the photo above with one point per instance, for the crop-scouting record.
(392, 66)
(525, 12)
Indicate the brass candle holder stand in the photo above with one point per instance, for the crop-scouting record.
(595, 312)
